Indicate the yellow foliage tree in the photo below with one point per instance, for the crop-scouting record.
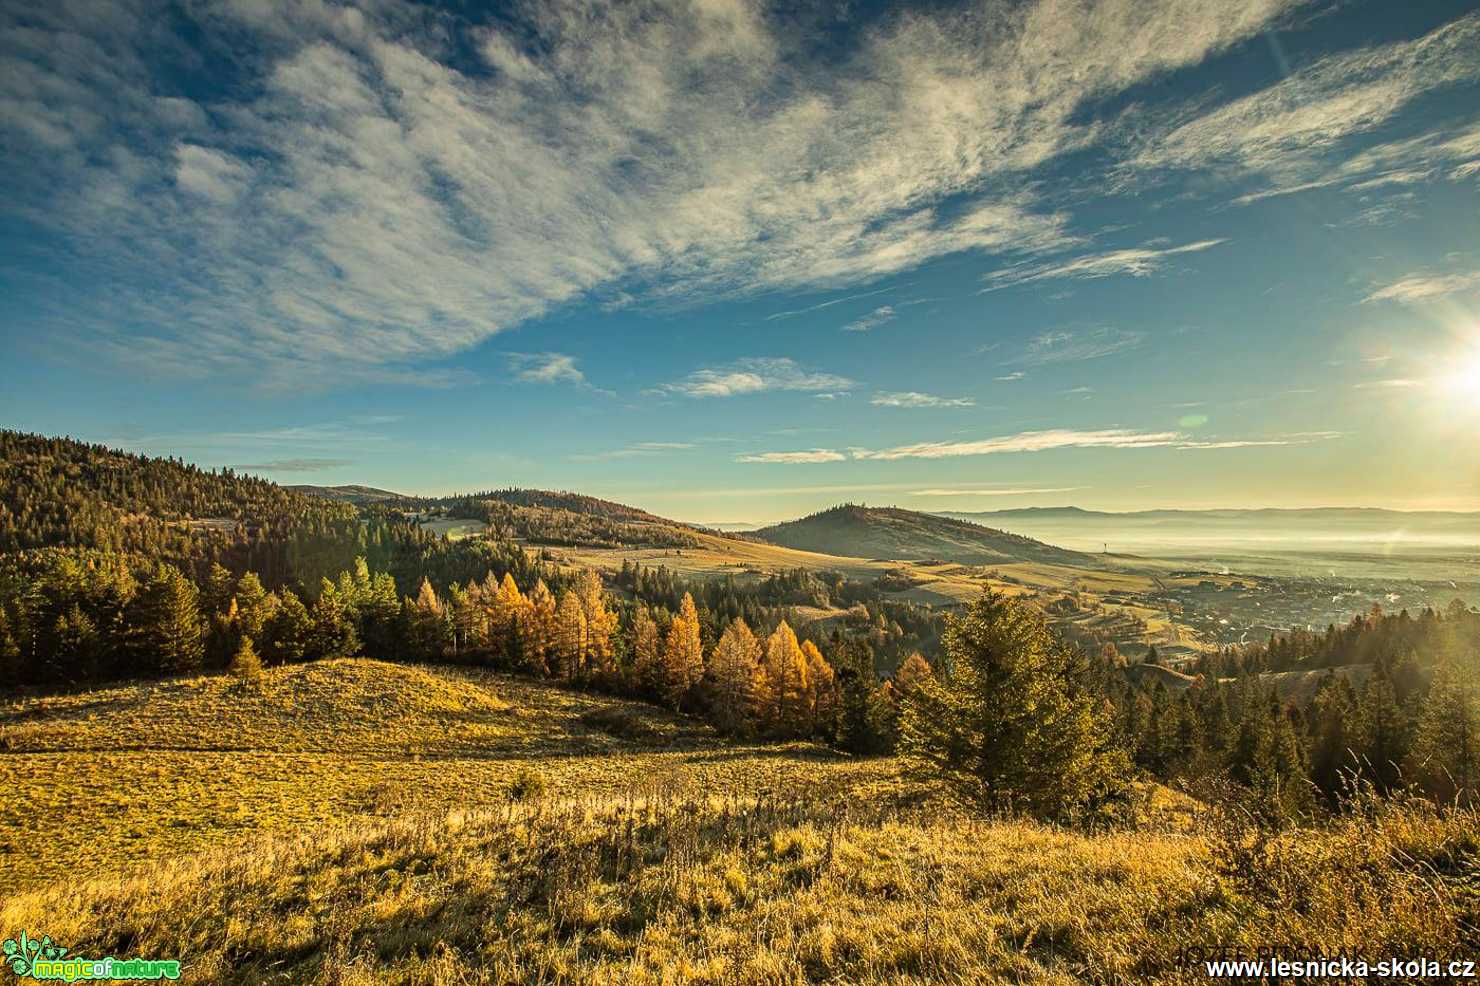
(647, 653)
(822, 690)
(783, 704)
(537, 630)
(683, 654)
(601, 623)
(570, 637)
(731, 676)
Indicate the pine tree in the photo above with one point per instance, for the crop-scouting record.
(253, 609)
(1009, 726)
(570, 638)
(857, 683)
(332, 632)
(730, 678)
(1445, 759)
(1381, 733)
(289, 632)
(167, 636)
(10, 653)
(79, 647)
(683, 654)
(246, 666)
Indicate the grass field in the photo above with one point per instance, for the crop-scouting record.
(363, 822)
(163, 768)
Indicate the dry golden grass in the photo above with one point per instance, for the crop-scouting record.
(131, 774)
(438, 825)
(663, 887)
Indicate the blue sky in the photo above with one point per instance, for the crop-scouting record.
(736, 263)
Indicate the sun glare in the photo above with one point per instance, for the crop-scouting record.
(1464, 382)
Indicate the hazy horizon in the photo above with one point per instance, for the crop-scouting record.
(738, 264)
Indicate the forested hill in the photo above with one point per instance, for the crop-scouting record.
(895, 533)
(61, 495)
(56, 492)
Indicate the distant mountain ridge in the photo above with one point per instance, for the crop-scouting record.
(896, 533)
(1362, 521)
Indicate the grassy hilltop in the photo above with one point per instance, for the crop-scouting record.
(359, 822)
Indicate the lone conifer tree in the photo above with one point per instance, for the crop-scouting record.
(246, 666)
(1009, 725)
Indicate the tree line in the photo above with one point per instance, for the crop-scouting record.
(1387, 703)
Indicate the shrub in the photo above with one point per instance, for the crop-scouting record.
(527, 784)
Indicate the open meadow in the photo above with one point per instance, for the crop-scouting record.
(354, 821)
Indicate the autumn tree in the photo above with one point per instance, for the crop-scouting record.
(647, 653)
(783, 700)
(601, 624)
(536, 629)
(570, 638)
(730, 678)
(822, 698)
(683, 654)
(1010, 725)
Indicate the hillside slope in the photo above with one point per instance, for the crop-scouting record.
(894, 533)
(353, 493)
(336, 741)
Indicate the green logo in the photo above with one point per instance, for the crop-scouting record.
(45, 959)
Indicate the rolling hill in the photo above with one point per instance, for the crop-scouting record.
(355, 494)
(895, 533)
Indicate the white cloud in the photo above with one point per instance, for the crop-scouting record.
(911, 398)
(1135, 262)
(546, 368)
(1028, 441)
(1069, 345)
(1419, 288)
(368, 206)
(1001, 492)
(636, 450)
(1286, 132)
(753, 376)
(1011, 377)
(794, 458)
(864, 323)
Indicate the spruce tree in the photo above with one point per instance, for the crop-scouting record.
(246, 666)
(1445, 759)
(1008, 726)
(166, 632)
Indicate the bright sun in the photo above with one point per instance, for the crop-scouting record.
(1466, 381)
